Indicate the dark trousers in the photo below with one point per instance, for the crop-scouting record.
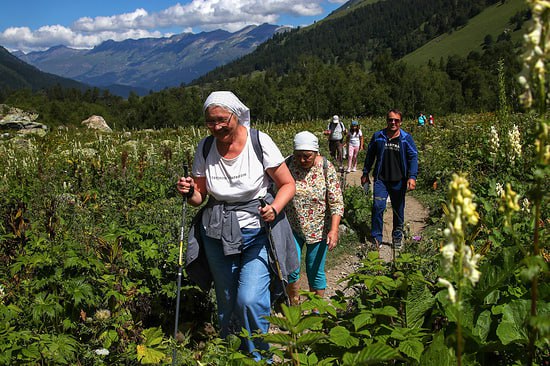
(336, 148)
(396, 191)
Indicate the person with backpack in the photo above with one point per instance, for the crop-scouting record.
(421, 120)
(355, 144)
(395, 158)
(314, 212)
(228, 241)
(336, 132)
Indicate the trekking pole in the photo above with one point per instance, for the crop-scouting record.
(275, 256)
(180, 264)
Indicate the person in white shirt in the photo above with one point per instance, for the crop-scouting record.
(231, 232)
(336, 133)
(355, 144)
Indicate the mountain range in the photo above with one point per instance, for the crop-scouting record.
(148, 64)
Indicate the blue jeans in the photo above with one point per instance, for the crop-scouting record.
(396, 191)
(241, 282)
(315, 263)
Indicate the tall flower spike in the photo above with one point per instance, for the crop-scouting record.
(533, 74)
(514, 138)
(509, 203)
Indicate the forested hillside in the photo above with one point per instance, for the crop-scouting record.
(358, 35)
(16, 74)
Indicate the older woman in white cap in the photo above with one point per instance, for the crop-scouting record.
(314, 212)
(228, 242)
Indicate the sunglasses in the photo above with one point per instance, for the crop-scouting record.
(396, 120)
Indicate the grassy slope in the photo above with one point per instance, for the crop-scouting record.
(490, 21)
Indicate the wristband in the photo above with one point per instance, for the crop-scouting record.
(274, 211)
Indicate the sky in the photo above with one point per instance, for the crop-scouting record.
(34, 25)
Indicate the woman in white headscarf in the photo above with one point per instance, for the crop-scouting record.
(229, 233)
(314, 212)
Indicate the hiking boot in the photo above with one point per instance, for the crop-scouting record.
(397, 239)
(398, 244)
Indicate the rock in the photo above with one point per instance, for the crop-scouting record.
(22, 122)
(97, 123)
(33, 131)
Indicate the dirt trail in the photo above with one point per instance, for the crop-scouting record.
(415, 217)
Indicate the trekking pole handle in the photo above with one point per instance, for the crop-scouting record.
(263, 203)
(185, 170)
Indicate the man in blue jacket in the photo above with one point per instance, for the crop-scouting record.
(394, 173)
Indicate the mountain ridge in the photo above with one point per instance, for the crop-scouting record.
(151, 63)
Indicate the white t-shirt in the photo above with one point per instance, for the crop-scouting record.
(355, 139)
(240, 179)
(337, 131)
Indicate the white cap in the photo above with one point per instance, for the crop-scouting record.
(335, 118)
(228, 100)
(305, 140)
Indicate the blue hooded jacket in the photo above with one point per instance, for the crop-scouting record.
(375, 150)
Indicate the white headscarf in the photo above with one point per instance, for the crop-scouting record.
(227, 99)
(305, 140)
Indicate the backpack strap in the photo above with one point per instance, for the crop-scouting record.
(207, 145)
(254, 136)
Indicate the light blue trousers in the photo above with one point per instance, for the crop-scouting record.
(241, 282)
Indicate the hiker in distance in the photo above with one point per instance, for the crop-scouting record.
(355, 144)
(228, 240)
(336, 132)
(395, 158)
(314, 212)
(421, 120)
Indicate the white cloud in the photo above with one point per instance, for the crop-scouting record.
(112, 23)
(197, 15)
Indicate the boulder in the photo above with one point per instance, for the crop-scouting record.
(97, 123)
(22, 122)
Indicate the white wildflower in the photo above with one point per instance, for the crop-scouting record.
(448, 253)
(499, 189)
(514, 139)
(102, 352)
(103, 314)
(525, 205)
(450, 289)
(470, 265)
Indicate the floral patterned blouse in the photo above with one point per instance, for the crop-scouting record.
(315, 201)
